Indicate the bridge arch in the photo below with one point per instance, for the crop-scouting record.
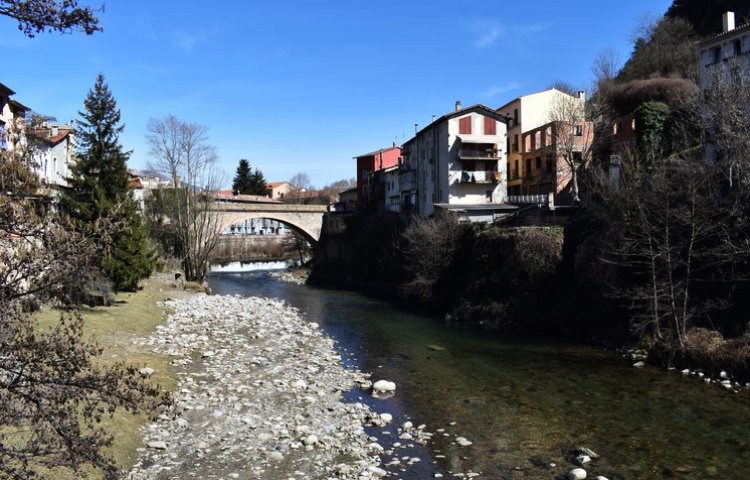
(305, 219)
(312, 235)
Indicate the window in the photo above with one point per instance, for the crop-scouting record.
(490, 126)
(464, 125)
(716, 54)
(632, 124)
(548, 137)
(550, 165)
(538, 140)
(578, 130)
(515, 116)
(737, 46)
(515, 143)
(507, 141)
(538, 163)
(527, 143)
(528, 167)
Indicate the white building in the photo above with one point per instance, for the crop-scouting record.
(457, 162)
(725, 58)
(726, 54)
(12, 123)
(53, 149)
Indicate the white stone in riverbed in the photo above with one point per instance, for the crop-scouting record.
(463, 442)
(276, 456)
(377, 471)
(208, 353)
(407, 425)
(146, 372)
(310, 440)
(157, 445)
(384, 386)
(686, 372)
(639, 364)
(583, 459)
(600, 478)
(577, 474)
(386, 418)
(406, 436)
(298, 384)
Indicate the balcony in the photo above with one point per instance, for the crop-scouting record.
(478, 154)
(478, 176)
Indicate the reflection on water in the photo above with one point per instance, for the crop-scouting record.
(525, 405)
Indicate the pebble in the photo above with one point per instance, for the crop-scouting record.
(274, 384)
(463, 442)
(577, 474)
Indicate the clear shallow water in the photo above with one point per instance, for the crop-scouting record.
(524, 405)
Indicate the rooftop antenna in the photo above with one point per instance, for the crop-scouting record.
(415, 128)
(433, 117)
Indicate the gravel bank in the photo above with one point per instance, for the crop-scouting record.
(259, 398)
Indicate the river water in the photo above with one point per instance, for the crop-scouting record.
(524, 405)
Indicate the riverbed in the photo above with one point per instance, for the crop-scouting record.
(523, 405)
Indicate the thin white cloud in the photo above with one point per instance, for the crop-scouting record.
(185, 41)
(488, 33)
(494, 90)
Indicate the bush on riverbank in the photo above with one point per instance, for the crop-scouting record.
(492, 276)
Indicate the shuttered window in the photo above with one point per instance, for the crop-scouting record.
(464, 125)
(490, 126)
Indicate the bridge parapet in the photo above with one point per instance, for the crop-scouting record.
(306, 219)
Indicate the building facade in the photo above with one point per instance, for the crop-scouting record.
(368, 164)
(12, 124)
(545, 166)
(526, 113)
(457, 160)
(53, 150)
(725, 55)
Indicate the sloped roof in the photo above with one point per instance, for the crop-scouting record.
(376, 152)
(719, 36)
(4, 90)
(484, 109)
(276, 184)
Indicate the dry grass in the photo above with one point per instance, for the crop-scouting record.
(115, 329)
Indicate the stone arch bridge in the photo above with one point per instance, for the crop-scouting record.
(305, 219)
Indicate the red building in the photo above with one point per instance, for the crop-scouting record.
(374, 162)
(545, 168)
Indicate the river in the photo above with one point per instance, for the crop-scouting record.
(524, 404)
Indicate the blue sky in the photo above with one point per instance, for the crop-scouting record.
(299, 85)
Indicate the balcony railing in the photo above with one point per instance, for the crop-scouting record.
(540, 199)
(478, 154)
(478, 176)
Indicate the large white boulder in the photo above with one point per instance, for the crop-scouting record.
(384, 386)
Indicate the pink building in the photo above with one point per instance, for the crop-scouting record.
(372, 162)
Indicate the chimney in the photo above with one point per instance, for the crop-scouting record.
(728, 21)
(458, 105)
(582, 95)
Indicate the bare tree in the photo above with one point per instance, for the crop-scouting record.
(53, 394)
(182, 216)
(572, 137)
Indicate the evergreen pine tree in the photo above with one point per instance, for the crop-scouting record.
(243, 181)
(99, 190)
(259, 183)
(247, 181)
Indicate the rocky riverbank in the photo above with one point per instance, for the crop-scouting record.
(260, 397)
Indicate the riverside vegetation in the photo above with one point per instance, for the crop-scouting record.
(657, 257)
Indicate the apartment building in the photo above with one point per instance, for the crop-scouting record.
(53, 150)
(457, 162)
(368, 164)
(12, 115)
(549, 152)
(526, 113)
